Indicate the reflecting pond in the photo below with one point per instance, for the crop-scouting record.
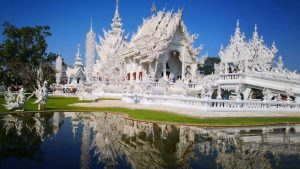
(104, 140)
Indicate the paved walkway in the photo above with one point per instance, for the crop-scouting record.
(184, 111)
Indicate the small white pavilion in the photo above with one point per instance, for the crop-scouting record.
(76, 75)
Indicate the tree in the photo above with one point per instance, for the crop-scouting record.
(208, 66)
(22, 53)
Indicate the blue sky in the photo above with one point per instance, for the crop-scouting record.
(213, 20)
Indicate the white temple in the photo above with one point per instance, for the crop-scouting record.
(161, 48)
(159, 66)
(76, 74)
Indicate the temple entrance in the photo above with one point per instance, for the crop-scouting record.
(173, 66)
(172, 69)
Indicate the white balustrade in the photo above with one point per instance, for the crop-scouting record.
(220, 105)
(230, 77)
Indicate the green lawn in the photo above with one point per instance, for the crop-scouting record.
(61, 104)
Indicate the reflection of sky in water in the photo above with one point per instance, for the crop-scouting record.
(100, 140)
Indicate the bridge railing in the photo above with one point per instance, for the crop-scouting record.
(218, 105)
(230, 77)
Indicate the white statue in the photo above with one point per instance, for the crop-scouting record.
(41, 94)
(289, 91)
(267, 94)
(9, 97)
(217, 68)
(18, 104)
(203, 92)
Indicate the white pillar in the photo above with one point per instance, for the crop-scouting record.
(219, 92)
(164, 68)
(226, 68)
(183, 67)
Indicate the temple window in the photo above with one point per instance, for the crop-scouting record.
(128, 76)
(134, 76)
(140, 75)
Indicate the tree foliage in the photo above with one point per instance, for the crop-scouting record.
(22, 53)
(208, 66)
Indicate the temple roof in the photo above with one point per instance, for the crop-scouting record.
(75, 72)
(156, 33)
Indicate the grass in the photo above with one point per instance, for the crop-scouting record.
(62, 104)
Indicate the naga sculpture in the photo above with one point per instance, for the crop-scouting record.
(15, 104)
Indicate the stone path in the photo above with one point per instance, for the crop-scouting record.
(184, 111)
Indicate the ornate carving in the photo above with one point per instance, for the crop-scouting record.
(244, 55)
(110, 64)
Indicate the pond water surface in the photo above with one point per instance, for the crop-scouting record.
(103, 140)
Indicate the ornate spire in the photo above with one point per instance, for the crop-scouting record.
(78, 51)
(221, 52)
(78, 62)
(90, 47)
(255, 36)
(238, 38)
(58, 68)
(237, 49)
(116, 22)
(180, 13)
(260, 54)
(280, 63)
(153, 8)
(91, 28)
(117, 8)
(237, 29)
(110, 49)
(274, 48)
(58, 65)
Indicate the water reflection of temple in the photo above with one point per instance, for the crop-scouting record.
(249, 147)
(165, 146)
(110, 137)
